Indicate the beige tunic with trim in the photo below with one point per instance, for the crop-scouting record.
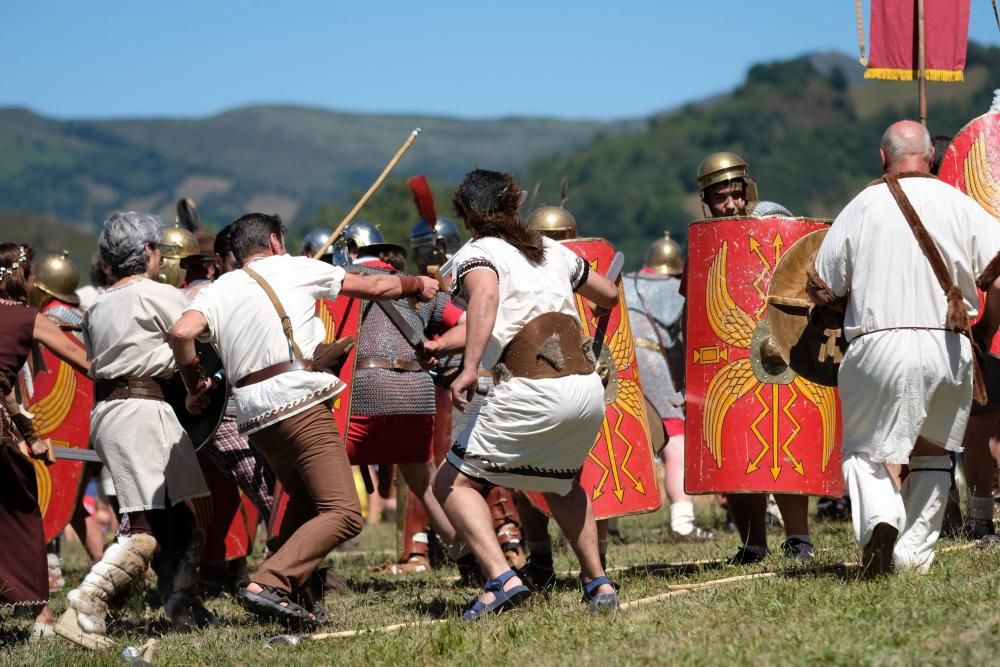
(149, 456)
(246, 329)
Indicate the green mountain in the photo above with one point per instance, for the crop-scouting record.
(809, 127)
(276, 159)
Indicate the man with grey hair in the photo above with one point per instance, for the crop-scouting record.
(137, 435)
(906, 380)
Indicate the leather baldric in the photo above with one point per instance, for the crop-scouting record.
(286, 322)
(957, 318)
(327, 357)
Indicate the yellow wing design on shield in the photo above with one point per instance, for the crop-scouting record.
(825, 401)
(50, 411)
(729, 322)
(726, 387)
(979, 179)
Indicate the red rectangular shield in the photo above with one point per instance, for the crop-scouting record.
(743, 435)
(619, 472)
(61, 400)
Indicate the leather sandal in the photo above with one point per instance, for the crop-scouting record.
(502, 600)
(273, 603)
(600, 602)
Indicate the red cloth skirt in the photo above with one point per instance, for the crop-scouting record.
(390, 439)
(674, 426)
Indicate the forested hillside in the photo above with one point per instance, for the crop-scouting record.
(809, 127)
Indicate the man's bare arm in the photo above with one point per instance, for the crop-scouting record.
(51, 336)
(389, 287)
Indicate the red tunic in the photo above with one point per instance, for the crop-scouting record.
(24, 579)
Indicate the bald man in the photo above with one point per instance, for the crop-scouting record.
(906, 380)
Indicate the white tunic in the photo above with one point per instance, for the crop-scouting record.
(904, 375)
(246, 330)
(149, 455)
(530, 434)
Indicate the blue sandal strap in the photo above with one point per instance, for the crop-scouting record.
(496, 585)
(590, 587)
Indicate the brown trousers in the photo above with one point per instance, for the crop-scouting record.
(308, 456)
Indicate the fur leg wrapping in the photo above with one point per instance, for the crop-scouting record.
(123, 563)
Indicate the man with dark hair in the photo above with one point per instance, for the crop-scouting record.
(263, 321)
(225, 260)
(232, 455)
(727, 189)
(251, 234)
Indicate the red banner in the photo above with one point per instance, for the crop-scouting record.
(894, 42)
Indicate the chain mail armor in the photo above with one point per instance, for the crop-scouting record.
(64, 315)
(381, 391)
(767, 209)
(661, 368)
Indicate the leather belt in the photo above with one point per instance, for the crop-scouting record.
(549, 346)
(271, 371)
(648, 344)
(389, 364)
(115, 389)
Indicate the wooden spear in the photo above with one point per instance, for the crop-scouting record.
(364, 199)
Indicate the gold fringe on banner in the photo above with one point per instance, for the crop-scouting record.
(939, 75)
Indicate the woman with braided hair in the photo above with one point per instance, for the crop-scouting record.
(24, 580)
(535, 428)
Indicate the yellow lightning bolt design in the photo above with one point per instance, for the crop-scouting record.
(775, 468)
(764, 446)
(796, 427)
(599, 487)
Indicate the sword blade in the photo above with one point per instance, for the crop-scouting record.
(617, 264)
(74, 454)
(414, 338)
(613, 274)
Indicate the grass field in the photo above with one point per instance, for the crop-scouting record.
(799, 617)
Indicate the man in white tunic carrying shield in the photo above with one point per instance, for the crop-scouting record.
(906, 381)
(536, 427)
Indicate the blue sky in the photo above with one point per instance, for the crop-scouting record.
(470, 59)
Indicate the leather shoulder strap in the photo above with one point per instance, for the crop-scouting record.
(286, 322)
(924, 240)
(957, 318)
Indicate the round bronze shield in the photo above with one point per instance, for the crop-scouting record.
(808, 337)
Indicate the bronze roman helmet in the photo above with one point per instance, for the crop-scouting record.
(665, 256)
(58, 277)
(723, 167)
(553, 221)
(177, 243)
